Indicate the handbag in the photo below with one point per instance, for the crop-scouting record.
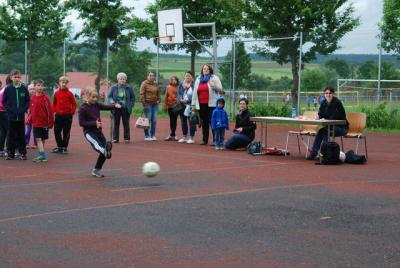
(177, 108)
(142, 122)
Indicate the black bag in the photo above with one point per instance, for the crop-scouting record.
(353, 158)
(177, 108)
(254, 148)
(329, 153)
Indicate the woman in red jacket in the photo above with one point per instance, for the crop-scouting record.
(42, 118)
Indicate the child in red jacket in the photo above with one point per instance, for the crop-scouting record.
(42, 118)
(64, 105)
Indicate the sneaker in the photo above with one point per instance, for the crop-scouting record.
(190, 141)
(3, 154)
(148, 139)
(10, 157)
(23, 157)
(204, 143)
(39, 159)
(97, 173)
(64, 151)
(127, 141)
(170, 138)
(108, 148)
(153, 138)
(115, 141)
(17, 155)
(56, 150)
(182, 140)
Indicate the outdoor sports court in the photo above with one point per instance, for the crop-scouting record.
(206, 208)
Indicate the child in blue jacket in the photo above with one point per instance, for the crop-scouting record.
(219, 122)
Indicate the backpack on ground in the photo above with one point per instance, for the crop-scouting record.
(329, 153)
(353, 158)
(254, 148)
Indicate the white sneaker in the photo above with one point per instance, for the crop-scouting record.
(153, 138)
(190, 141)
(148, 139)
(182, 140)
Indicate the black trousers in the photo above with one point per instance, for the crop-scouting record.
(16, 138)
(118, 113)
(205, 116)
(62, 130)
(98, 143)
(3, 129)
(173, 120)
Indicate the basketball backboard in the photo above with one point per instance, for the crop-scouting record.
(170, 26)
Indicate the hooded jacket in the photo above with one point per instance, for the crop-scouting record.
(16, 102)
(41, 111)
(219, 117)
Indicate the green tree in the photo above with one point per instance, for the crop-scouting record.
(34, 21)
(105, 20)
(341, 67)
(313, 79)
(323, 23)
(257, 82)
(391, 26)
(134, 64)
(368, 70)
(243, 66)
(226, 14)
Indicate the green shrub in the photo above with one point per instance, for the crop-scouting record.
(380, 117)
(268, 109)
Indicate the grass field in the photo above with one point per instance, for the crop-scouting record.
(177, 66)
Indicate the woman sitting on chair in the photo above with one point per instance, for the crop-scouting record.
(244, 131)
(331, 109)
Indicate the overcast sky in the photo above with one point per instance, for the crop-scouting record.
(362, 40)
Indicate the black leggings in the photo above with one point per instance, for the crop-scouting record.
(205, 117)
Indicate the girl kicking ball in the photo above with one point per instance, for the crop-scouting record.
(89, 120)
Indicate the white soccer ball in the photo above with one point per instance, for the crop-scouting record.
(151, 169)
(342, 156)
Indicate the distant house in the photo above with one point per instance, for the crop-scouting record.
(4, 76)
(78, 82)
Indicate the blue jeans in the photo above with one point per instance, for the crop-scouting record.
(151, 113)
(322, 136)
(185, 120)
(219, 137)
(237, 140)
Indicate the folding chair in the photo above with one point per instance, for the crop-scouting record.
(305, 130)
(357, 124)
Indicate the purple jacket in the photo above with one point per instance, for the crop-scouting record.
(90, 113)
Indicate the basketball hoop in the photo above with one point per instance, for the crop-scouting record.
(170, 26)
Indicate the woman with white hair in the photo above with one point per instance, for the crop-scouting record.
(122, 94)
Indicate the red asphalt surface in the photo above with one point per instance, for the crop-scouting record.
(206, 208)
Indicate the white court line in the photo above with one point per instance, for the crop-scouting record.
(133, 175)
(134, 188)
(185, 197)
